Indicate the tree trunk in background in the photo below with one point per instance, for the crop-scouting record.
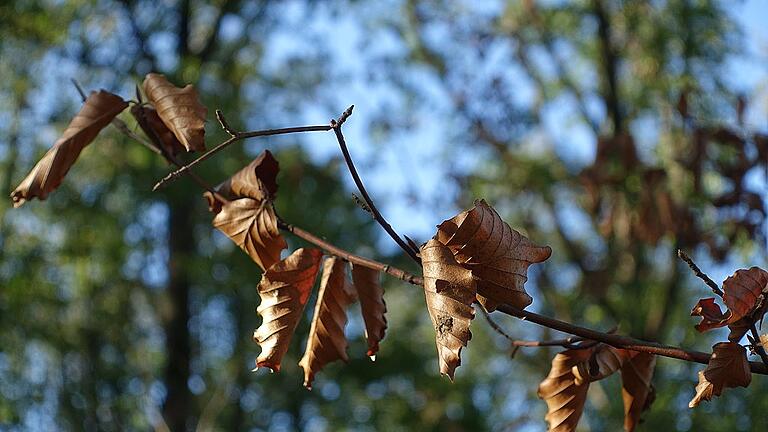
(177, 407)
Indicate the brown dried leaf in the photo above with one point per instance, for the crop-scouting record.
(326, 341)
(711, 314)
(97, 111)
(156, 130)
(450, 290)
(744, 290)
(728, 367)
(249, 218)
(284, 290)
(564, 397)
(371, 295)
(252, 225)
(180, 110)
(497, 255)
(604, 361)
(636, 388)
(257, 180)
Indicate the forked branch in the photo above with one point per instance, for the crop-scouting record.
(336, 125)
(235, 136)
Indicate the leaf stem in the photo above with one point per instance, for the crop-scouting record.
(235, 136)
(336, 125)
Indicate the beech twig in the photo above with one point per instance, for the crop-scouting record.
(336, 125)
(172, 160)
(699, 274)
(757, 345)
(235, 136)
(586, 334)
(582, 333)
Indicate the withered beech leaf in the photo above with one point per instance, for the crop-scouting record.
(744, 293)
(326, 341)
(156, 130)
(604, 361)
(179, 109)
(744, 290)
(711, 314)
(249, 218)
(252, 225)
(565, 397)
(98, 110)
(497, 255)
(636, 388)
(284, 290)
(371, 295)
(450, 290)
(728, 367)
(257, 180)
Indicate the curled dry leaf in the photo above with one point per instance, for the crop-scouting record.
(284, 290)
(252, 225)
(604, 361)
(97, 111)
(565, 389)
(179, 109)
(744, 293)
(326, 341)
(636, 388)
(156, 130)
(497, 255)
(565, 397)
(450, 290)
(371, 295)
(249, 218)
(257, 180)
(728, 367)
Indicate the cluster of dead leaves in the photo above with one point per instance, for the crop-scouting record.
(474, 256)
(744, 294)
(174, 120)
(647, 214)
(565, 388)
(635, 202)
(244, 212)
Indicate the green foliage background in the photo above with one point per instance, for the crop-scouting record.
(86, 311)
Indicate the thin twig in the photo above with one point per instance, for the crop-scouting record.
(79, 89)
(336, 124)
(235, 136)
(354, 259)
(569, 343)
(757, 345)
(700, 274)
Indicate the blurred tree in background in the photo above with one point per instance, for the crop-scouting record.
(122, 309)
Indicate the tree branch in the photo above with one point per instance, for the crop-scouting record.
(699, 274)
(610, 73)
(611, 339)
(336, 124)
(348, 256)
(235, 136)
